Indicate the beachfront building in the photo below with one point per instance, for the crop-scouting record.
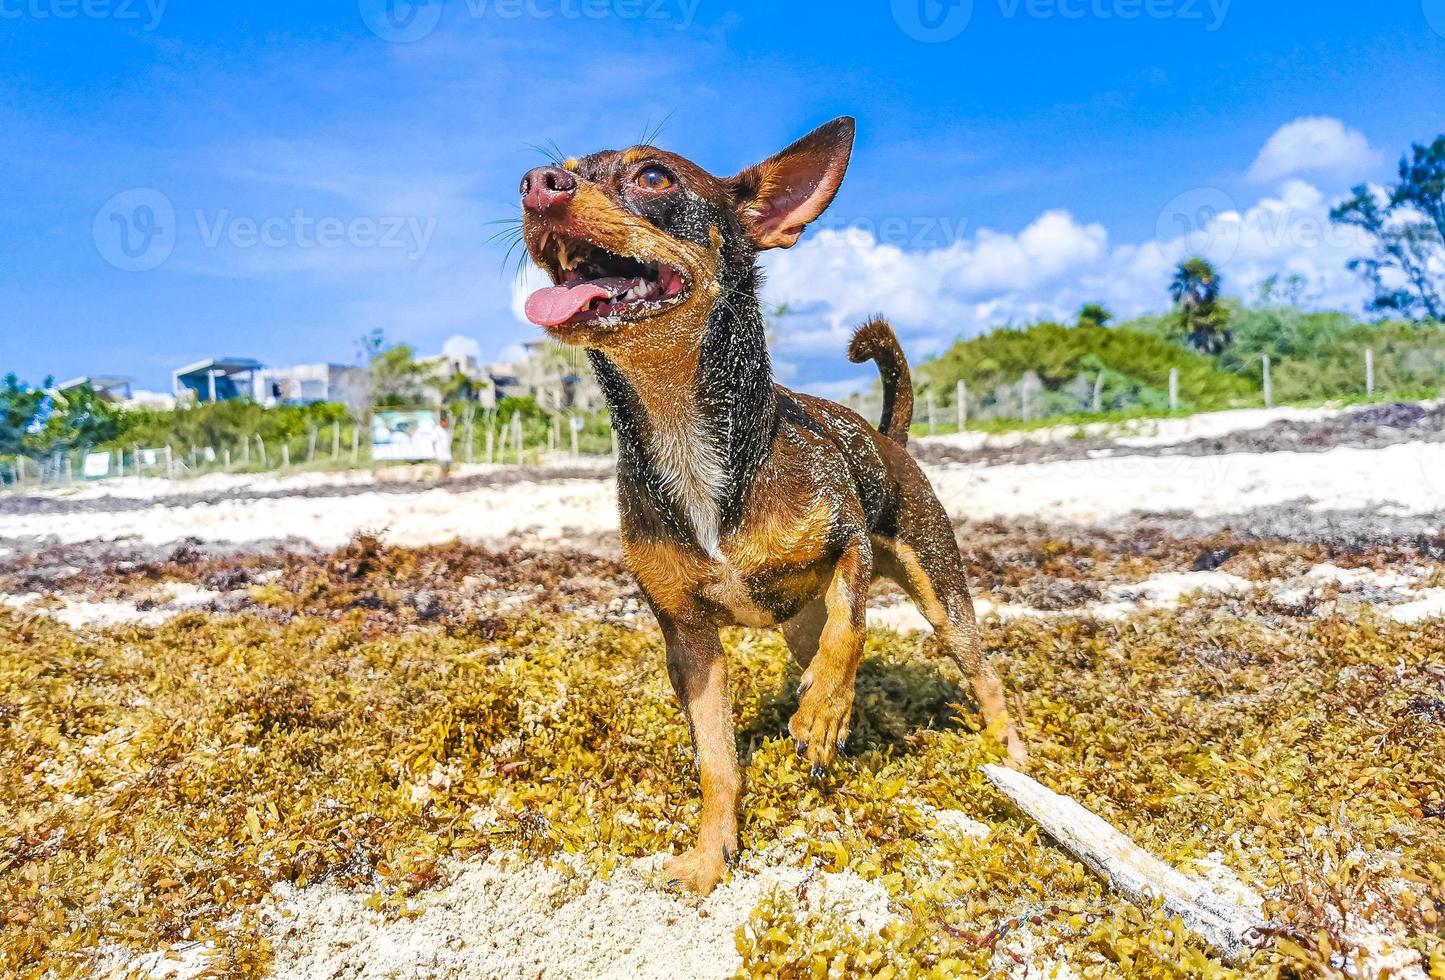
(216, 379)
(558, 377)
(305, 384)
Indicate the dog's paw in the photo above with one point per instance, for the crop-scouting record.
(699, 870)
(820, 725)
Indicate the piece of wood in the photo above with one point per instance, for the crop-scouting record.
(1141, 877)
(1233, 928)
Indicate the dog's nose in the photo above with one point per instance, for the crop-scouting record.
(547, 189)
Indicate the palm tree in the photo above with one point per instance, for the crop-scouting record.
(1094, 315)
(1195, 291)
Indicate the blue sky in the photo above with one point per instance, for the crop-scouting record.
(312, 171)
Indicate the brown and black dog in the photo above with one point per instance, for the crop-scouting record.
(742, 503)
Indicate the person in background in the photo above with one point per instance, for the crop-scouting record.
(444, 445)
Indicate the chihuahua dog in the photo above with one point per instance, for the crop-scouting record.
(742, 503)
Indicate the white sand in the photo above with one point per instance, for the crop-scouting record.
(503, 917)
(171, 599)
(1400, 597)
(1140, 432)
(1163, 591)
(1411, 477)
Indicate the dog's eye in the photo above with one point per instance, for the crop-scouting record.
(654, 178)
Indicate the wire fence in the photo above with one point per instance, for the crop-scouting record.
(486, 436)
(478, 437)
(955, 407)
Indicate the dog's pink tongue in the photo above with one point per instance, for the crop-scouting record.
(555, 305)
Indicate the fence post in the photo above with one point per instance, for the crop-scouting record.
(572, 428)
(517, 437)
(471, 450)
(311, 447)
(226, 458)
(1268, 384)
(1369, 372)
(932, 419)
(491, 444)
(1173, 389)
(1099, 393)
(170, 462)
(335, 441)
(961, 398)
(246, 452)
(261, 445)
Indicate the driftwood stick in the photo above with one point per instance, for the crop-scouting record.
(1234, 928)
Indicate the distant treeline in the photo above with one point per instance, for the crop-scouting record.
(36, 423)
(1314, 356)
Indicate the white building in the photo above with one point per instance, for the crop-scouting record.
(304, 384)
(446, 368)
(559, 378)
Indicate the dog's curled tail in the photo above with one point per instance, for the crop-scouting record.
(875, 341)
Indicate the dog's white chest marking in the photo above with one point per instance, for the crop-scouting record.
(691, 469)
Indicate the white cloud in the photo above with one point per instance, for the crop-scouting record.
(458, 347)
(1047, 271)
(1314, 144)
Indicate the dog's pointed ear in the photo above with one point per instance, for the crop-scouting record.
(779, 197)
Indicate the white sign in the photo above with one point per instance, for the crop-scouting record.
(97, 466)
(404, 435)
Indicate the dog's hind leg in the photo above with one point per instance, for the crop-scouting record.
(925, 561)
(804, 632)
(825, 709)
(697, 667)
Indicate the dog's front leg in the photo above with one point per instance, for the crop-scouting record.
(825, 710)
(698, 669)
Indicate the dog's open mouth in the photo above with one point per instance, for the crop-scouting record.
(594, 284)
